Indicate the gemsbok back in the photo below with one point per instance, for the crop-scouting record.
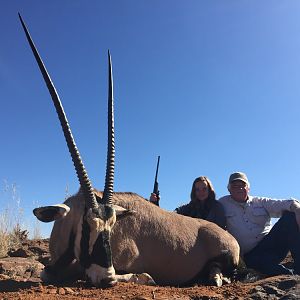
(99, 234)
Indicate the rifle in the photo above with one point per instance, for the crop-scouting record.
(155, 187)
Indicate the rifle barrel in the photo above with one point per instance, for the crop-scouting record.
(157, 166)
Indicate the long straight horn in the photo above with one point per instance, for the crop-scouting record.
(82, 175)
(110, 163)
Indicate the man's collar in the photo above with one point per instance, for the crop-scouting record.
(249, 199)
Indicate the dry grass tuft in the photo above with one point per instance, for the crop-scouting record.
(11, 232)
(9, 239)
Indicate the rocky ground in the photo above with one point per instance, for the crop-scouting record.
(19, 279)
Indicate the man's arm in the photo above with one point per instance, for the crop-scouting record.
(274, 207)
(295, 207)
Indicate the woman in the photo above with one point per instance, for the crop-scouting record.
(203, 203)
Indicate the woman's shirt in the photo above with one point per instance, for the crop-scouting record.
(215, 213)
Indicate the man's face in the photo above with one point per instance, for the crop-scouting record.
(239, 191)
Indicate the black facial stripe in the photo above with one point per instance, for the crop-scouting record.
(103, 212)
(109, 211)
(84, 257)
(101, 254)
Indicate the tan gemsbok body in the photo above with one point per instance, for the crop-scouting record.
(97, 233)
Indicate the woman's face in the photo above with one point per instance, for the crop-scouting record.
(201, 190)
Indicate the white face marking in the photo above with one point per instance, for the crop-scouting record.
(97, 273)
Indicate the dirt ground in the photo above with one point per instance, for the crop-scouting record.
(15, 289)
(19, 279)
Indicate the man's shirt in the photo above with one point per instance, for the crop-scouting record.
(250, 221)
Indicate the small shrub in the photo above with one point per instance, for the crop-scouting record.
(8, 241)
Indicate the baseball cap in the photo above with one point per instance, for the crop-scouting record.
(238, 176)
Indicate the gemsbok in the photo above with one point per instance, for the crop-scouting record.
(99, 234)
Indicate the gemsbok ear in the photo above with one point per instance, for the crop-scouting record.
(122, 212)
(51, 213)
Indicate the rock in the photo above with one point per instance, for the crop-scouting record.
(61, 291)
(20, 267)
(281, 287)
(69, 290)
(19, 253)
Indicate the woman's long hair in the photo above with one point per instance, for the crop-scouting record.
(211, 192)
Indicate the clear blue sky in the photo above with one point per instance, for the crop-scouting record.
(210, 86)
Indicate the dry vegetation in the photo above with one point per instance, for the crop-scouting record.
(12, 232)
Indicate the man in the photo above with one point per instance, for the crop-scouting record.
(249, 220)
